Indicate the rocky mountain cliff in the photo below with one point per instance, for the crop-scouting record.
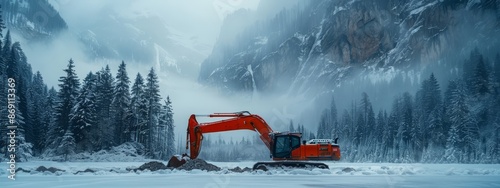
(32, 19)
(318, 45)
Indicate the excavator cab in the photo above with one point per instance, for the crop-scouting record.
(284, 144)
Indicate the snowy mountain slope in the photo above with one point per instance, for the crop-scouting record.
(318, 46)
(32, 19)
(110, 34)
(144, 40)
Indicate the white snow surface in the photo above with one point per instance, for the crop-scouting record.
(364, 175)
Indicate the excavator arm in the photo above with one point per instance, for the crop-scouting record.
(237, 121)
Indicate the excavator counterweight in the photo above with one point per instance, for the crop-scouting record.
(287, 149)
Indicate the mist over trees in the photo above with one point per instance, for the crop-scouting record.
(97, 113)
(456, 124)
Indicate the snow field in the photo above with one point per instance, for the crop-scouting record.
(336, 169)
(115, 174)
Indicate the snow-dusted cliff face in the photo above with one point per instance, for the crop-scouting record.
(318, 45)
(143, 39)
(32, 19)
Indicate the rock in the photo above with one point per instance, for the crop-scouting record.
(152, 166)
(51, 169)
(239, 170)
(199, 164)
(348, 169)
(86, 170)
(22, 170)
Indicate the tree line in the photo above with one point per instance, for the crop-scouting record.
(96, 114)
(461, 125)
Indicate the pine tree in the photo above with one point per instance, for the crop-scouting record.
(38, 106)
(152, 95)
(322, 129)
(6, 49)
(67, 146)
(68, 92)
(84, 115)
(469, 67)
(48, 117)
(480, 79)
(104, 95)
(139, 110)
(2, 25)
(452, 152)
(170, 128)
(379, 132)
(333, 129)
(464, 123)
(290, 127)
(160, 150)
(121, 106)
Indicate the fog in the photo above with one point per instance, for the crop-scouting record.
(201, 19)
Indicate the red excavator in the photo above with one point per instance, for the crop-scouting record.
(287, 149)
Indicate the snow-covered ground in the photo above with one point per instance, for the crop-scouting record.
(364, 175)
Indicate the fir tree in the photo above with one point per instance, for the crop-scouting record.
(84, 114)
(323, 125)
(139, 110)
(104, 95)
(290, 127)
(121, 106)
(152, 95)
(170, 128)
(453, 152)
(480, 79)
(38, 106)
(68, 92)
(48, 117)
(334, 132)
(6, 49)
(67, 146)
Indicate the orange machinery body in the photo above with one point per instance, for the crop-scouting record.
(283, 146)
(322, 151)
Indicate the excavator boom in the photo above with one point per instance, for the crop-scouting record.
(238, 121)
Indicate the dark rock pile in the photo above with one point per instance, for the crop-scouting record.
(51, 169)
(239, 170)
(152, 166)
(199, 164)
(348, 169)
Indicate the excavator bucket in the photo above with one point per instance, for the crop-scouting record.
(176, 161)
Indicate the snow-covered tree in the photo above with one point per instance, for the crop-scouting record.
(152, 95)
(121, 106)
(139, 111)
(68, 92)
(24, 150)
(453, 153)
(67, 145)
(48, 117)
(290, 127)
(170, 127)
(104, 98)
(84, 115)
(480, 79)
(38, 105)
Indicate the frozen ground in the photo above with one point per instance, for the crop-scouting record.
(364, 175)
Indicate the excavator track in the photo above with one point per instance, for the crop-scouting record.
(288, 164)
